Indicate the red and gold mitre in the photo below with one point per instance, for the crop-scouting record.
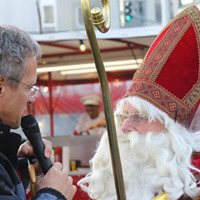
(169, 77)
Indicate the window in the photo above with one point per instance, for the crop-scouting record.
(48, 15)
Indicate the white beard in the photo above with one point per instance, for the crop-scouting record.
(151, 163)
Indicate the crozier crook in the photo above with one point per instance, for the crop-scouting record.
(101, 19)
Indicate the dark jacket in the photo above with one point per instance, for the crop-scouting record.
(11, 187)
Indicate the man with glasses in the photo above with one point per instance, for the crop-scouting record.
(18, 63)
(154, 122)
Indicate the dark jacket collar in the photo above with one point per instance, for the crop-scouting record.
(9, 143)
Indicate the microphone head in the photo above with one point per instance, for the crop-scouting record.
(29, 125)
(28, 120)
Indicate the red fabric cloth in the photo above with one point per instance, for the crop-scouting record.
(196, 160)
(175, 74)
(196, 163)
(80, 194)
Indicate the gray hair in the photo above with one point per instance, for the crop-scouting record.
(15, 47)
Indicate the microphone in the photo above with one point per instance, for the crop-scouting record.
(32, 131)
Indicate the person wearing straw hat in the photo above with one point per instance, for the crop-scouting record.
(158, 145)
(92, 122)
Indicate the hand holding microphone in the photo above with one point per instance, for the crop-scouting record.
(32, 131)
(56, 177)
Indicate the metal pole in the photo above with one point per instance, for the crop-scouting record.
(51, 105)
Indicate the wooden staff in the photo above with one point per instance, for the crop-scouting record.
(102, 22)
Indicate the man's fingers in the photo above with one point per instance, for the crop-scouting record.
(48, 151)
(74, 188)
(52, 158)
(70, 179)
(25, 149)
(58, 165)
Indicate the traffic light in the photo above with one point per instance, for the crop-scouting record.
(128, 11)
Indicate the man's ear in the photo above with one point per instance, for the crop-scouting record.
(2, 84)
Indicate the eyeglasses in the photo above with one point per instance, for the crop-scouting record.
(135, 118)
(33, 89)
